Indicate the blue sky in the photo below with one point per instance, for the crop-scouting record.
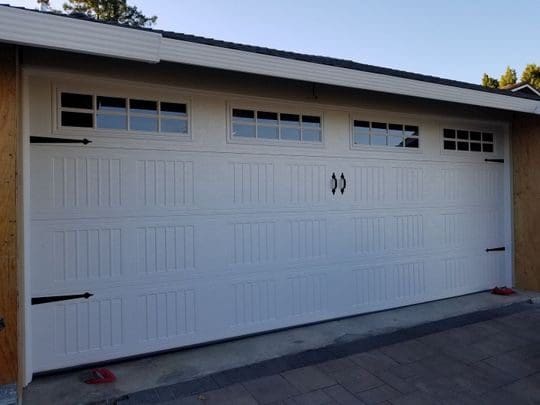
(457, 39)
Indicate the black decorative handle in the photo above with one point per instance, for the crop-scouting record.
(334, 183)
(344, 183)
(494, 160)
(497, 249)
(56, 298)
(48, 139)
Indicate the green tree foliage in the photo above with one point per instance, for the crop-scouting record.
(111, 11)
(531, 75)
(106, 10)
(508, 78)
(488, 81)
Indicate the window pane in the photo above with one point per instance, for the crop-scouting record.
(449, 133)
(476, 147)
(173, 109)
(111, 104)
(311, 121)
(290, 119)
(450, 145)
(311, 135)
(463, 145)
(487, 147)
(378, 128)
(361, 138)
(111, 121)
(462, 135)
(143, 124)
(143, 106)
(267, 132)
(395, 141)
(411, 130)
(378, 140)
(361, 133)
(76, 119)
(244, 131)
(267, 117)
(487, 137)
(292, 134)
(72, 100)
(361, 124)
(395, 129)
(171, 125)
(244, 115)
(475, 136)
(412, 143)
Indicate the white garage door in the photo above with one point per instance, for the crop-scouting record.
(179, 247)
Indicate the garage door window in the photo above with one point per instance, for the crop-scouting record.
(274, 126)
(382, 134)
(122, 114)
(77, 110)
(467, 141)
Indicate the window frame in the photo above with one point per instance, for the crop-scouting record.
(278, 109)
(456, 126)
(388, 120)
(128, 95)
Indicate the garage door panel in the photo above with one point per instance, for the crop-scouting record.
(75, 181)
(76, 254)
(473, 184)
(165, 183)
(307, 183)
(184, 247)
(161, 317)
(388, 284)
(82, 255)
(74, 330)
(70, 179)
(472, 272)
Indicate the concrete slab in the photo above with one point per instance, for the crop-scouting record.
(184, 365)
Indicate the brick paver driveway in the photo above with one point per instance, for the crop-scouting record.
(488, 359)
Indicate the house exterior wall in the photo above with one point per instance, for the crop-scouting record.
(526, 173)
(337, 103)
(8, 214)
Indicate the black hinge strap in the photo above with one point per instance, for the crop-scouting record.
(54, 298)
(48, 139)
(497, 249)
(494, 160)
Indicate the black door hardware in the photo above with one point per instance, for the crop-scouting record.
(55, 298)
(2, 324)
(494, 160)
(334, 183)
(497, 249)
(48, 139)
(343, 183)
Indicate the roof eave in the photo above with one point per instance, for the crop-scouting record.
(69, 34)
(56, 32)
(178, 51)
